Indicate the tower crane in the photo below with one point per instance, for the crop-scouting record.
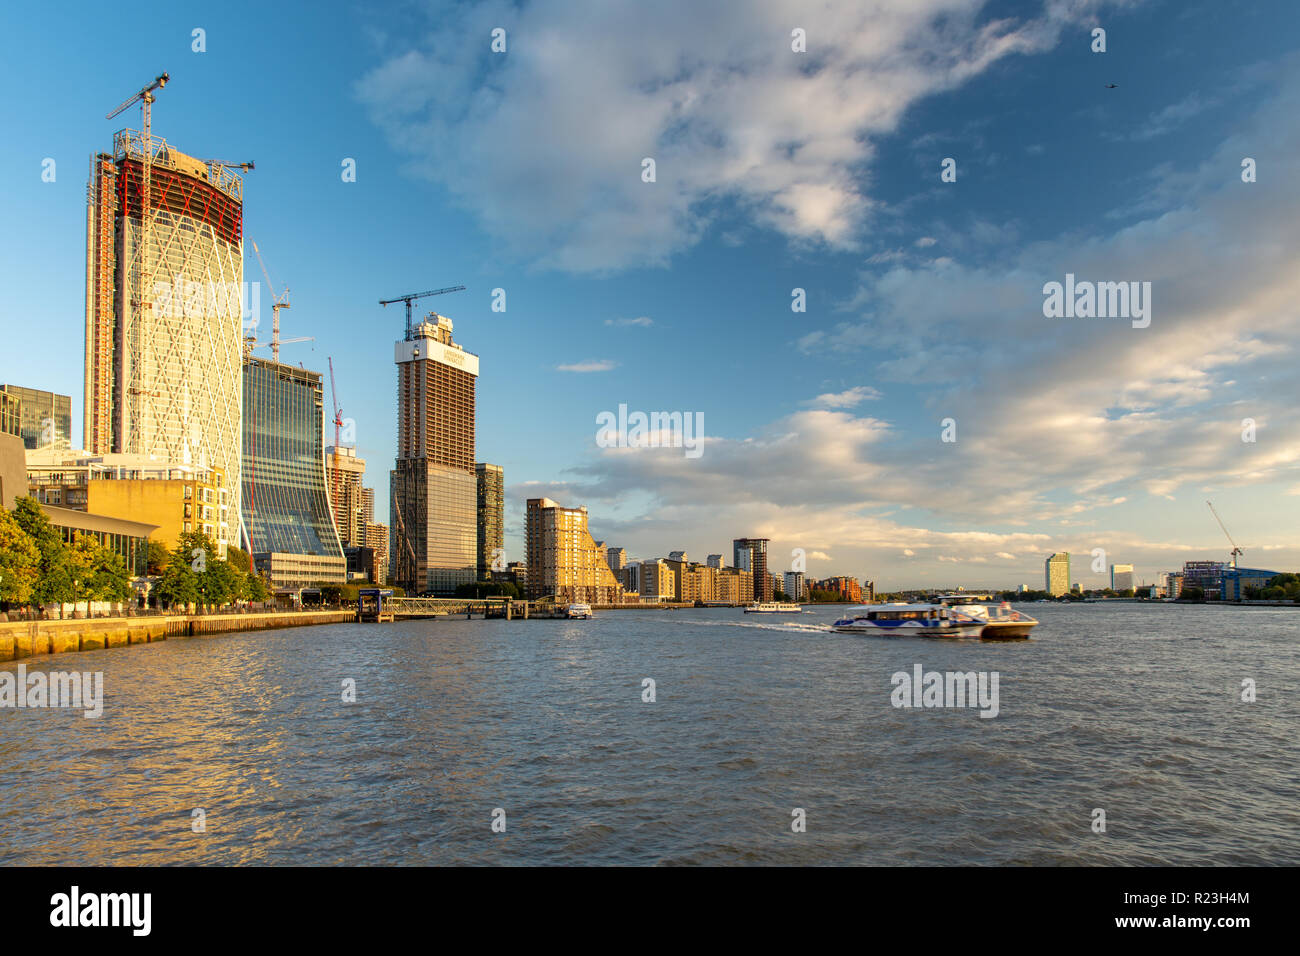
(338, 424)
(217, 162)
(1235, 550)
(278, 302)
(145, 98)
(408, 299)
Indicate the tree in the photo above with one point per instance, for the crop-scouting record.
(156, 558)
(255, 588)
(55, 574)
(20, 562)
(109, 578)
(179, 583)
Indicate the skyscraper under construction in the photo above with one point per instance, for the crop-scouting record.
(433, 485)
(164, 307)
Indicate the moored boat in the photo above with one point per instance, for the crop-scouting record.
(921, 620)
(772, 607)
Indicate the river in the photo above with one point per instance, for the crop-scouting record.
(1128, 708)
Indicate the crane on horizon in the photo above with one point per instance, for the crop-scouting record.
(408, 299)
(1236, 551)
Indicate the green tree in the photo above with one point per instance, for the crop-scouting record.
(109, 578)
(156, 558)
(179, 583)
(56, 573)
(20, 562)
(255, 588)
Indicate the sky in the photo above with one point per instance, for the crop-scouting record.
(921, 422)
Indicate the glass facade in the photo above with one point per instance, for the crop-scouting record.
(286, 504)
(46, 417)
(491, 516)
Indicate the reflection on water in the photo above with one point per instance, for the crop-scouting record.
(1132, 709)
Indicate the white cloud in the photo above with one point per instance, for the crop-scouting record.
(549, 158)
(847, 398)
(591, 365)
(644, 321)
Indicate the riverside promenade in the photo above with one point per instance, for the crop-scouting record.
(30, 638)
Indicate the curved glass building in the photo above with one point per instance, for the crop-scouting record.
(164, 309)
(288, 525)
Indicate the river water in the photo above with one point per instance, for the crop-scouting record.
(1131, 709)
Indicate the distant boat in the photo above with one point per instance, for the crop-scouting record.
(578, 612)
(773, 607)
(917, 620)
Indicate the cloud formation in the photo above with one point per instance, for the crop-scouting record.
(550, 160)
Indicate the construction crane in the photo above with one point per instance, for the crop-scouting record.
(278, 302)
(408, 299)
(217, 162)
(1235, 550)
(338, 425)
(145, 98)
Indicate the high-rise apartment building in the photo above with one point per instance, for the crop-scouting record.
(491, 493)
(288, 527)
(616, 558)
(1121, 577)
(345, 475)
(377, 538)
(1056, 571)
(434, 489)
(714, 561)
(794, 585)
(563, 560)
(658, 581)
(164, 307)
(46, 417)
(750, 554)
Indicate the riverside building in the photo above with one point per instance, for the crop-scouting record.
(491, 496)
(164, 309)
(434, 486)
(1056, 573)
(563, 560)
(288, 527)
(750, 554)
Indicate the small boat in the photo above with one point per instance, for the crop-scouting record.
(578, 612)
(1001, 621)
(922, 620)
(773, 607)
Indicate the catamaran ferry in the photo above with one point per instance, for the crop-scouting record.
(1001, 621)
(920, 620)
(578, 612)
(772, 607)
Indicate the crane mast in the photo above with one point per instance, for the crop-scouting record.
(408, 299)
(1236, 551)
(145, 98)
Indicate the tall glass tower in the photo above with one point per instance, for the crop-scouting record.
(164, 309)
(286, 506)
(433, 499)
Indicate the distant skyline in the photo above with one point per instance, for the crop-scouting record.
(775, 171)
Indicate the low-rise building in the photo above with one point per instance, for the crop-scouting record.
(174, 498)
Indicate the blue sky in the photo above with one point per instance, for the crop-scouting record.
(775, 170)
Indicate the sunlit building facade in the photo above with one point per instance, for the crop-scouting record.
(164, 309)
(287, 522)
(434, 488)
